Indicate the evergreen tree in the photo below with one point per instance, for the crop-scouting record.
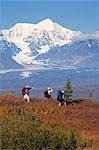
(90, 94)
(68, 90)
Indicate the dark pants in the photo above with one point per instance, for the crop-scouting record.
(61, 101)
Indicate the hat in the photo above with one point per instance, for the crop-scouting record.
(62, 91)
(26, 86)
(49, 88)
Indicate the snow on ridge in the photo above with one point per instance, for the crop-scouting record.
(89, 45)
(18, 31)
(95, 35)
(46, 24)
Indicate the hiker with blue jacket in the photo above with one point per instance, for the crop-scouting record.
(60, 98)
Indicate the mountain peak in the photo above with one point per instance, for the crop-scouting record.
(47, 21)
(46, 24)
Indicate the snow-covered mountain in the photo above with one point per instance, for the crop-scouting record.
(35, 39)
(8, 48)
(84, 53)
(49, 43)
(7, 51)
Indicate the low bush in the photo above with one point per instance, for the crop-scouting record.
(20, 130)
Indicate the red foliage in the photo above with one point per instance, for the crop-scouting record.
(83, 116)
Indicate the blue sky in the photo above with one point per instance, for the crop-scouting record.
(80, 15)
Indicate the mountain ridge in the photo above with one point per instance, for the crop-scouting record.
(35, 40)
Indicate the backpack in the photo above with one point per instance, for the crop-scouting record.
(60, 95)
(23, 91)
(46, 94)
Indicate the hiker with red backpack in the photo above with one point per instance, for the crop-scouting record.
(25, 93)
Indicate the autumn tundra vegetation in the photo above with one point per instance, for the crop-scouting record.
(43, 125)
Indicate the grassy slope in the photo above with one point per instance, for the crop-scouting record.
(83, 116)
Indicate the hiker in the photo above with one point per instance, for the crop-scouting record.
(25, 93)
(60, 98)
(48, 92)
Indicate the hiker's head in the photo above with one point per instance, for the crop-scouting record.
(62, 91)
(27, 86)
(50, 89)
